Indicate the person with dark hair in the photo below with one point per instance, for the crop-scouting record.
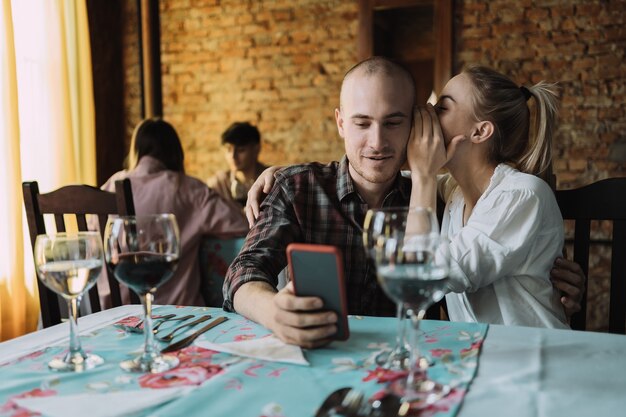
(159, 184)
(242, 144)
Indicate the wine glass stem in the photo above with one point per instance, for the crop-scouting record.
(416, 373)
(149, 348)
(401, 334)
(72, 307)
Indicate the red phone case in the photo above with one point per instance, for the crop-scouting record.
(309, 288)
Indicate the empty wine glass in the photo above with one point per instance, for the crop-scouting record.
(373, 228)
(142, 252)
(69, 264)
(412, 265)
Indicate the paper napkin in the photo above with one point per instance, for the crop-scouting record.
(268, 348)
(101, 404)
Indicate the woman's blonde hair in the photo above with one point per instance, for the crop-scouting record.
(519, 137)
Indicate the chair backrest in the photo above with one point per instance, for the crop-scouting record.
(216, 255)
(79, 200)
(602, 200)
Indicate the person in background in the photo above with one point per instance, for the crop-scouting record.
(159, 184)
(241, 143)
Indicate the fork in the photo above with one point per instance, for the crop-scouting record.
(155, 328)
(170, 336)
(138, 328)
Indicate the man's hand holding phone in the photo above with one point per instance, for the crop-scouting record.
(299, 320)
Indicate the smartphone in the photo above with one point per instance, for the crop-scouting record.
(317, 271)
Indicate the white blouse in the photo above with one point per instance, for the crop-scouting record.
(501, 259)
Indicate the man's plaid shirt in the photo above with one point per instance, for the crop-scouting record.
(314, 203)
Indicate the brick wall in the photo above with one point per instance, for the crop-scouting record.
(579, 44)
(277, 64)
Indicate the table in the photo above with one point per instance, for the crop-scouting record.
(522, 372)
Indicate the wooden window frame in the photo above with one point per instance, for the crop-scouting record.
(443, 26)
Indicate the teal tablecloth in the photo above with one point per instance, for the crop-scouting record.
(233, 386)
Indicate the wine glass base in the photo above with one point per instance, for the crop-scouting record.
(420, 394)
(154, 365)
(75, 363)
(398, 360)
(395, 360)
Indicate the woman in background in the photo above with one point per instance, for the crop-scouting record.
(159, 185)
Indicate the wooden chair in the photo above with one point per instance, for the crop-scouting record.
(602, 200)
(78, 200)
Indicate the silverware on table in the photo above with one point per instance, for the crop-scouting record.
(138, 328)
(155, 328)
(189, 339)
(168, 337)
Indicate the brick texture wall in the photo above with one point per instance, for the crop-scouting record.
(277, 64)
(578, 43)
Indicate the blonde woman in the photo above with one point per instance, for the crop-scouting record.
(502, 219)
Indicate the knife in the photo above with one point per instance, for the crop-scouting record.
(189, 339)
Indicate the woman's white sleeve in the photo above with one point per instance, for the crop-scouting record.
(496, 240)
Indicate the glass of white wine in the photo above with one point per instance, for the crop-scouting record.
(412, 265)
(69, 264)
(142, 252)
(375, 227)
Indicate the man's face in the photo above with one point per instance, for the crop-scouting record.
(241, 157)
(375, 122)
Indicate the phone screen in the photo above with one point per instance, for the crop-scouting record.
(317, 271)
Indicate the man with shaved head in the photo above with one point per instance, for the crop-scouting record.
(326, 204)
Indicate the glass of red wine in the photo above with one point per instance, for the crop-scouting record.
(142, 252)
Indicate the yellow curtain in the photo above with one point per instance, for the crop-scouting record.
(47, 132)
(17, 301)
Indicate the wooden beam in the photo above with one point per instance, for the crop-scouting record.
(365, 37)
(396, 4)
(443, 43)
(105, 34)
(151, 58)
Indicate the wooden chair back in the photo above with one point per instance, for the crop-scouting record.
(602, 200)
(78, 200)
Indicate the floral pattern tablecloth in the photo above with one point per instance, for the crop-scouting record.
(228, 385)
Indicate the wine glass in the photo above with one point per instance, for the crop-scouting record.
(69, 264)
(142, 252)
(373, 228)
(412, 265)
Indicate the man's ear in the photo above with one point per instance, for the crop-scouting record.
(340, 121)
(482, 131)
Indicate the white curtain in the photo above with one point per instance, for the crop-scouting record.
(47, 132)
